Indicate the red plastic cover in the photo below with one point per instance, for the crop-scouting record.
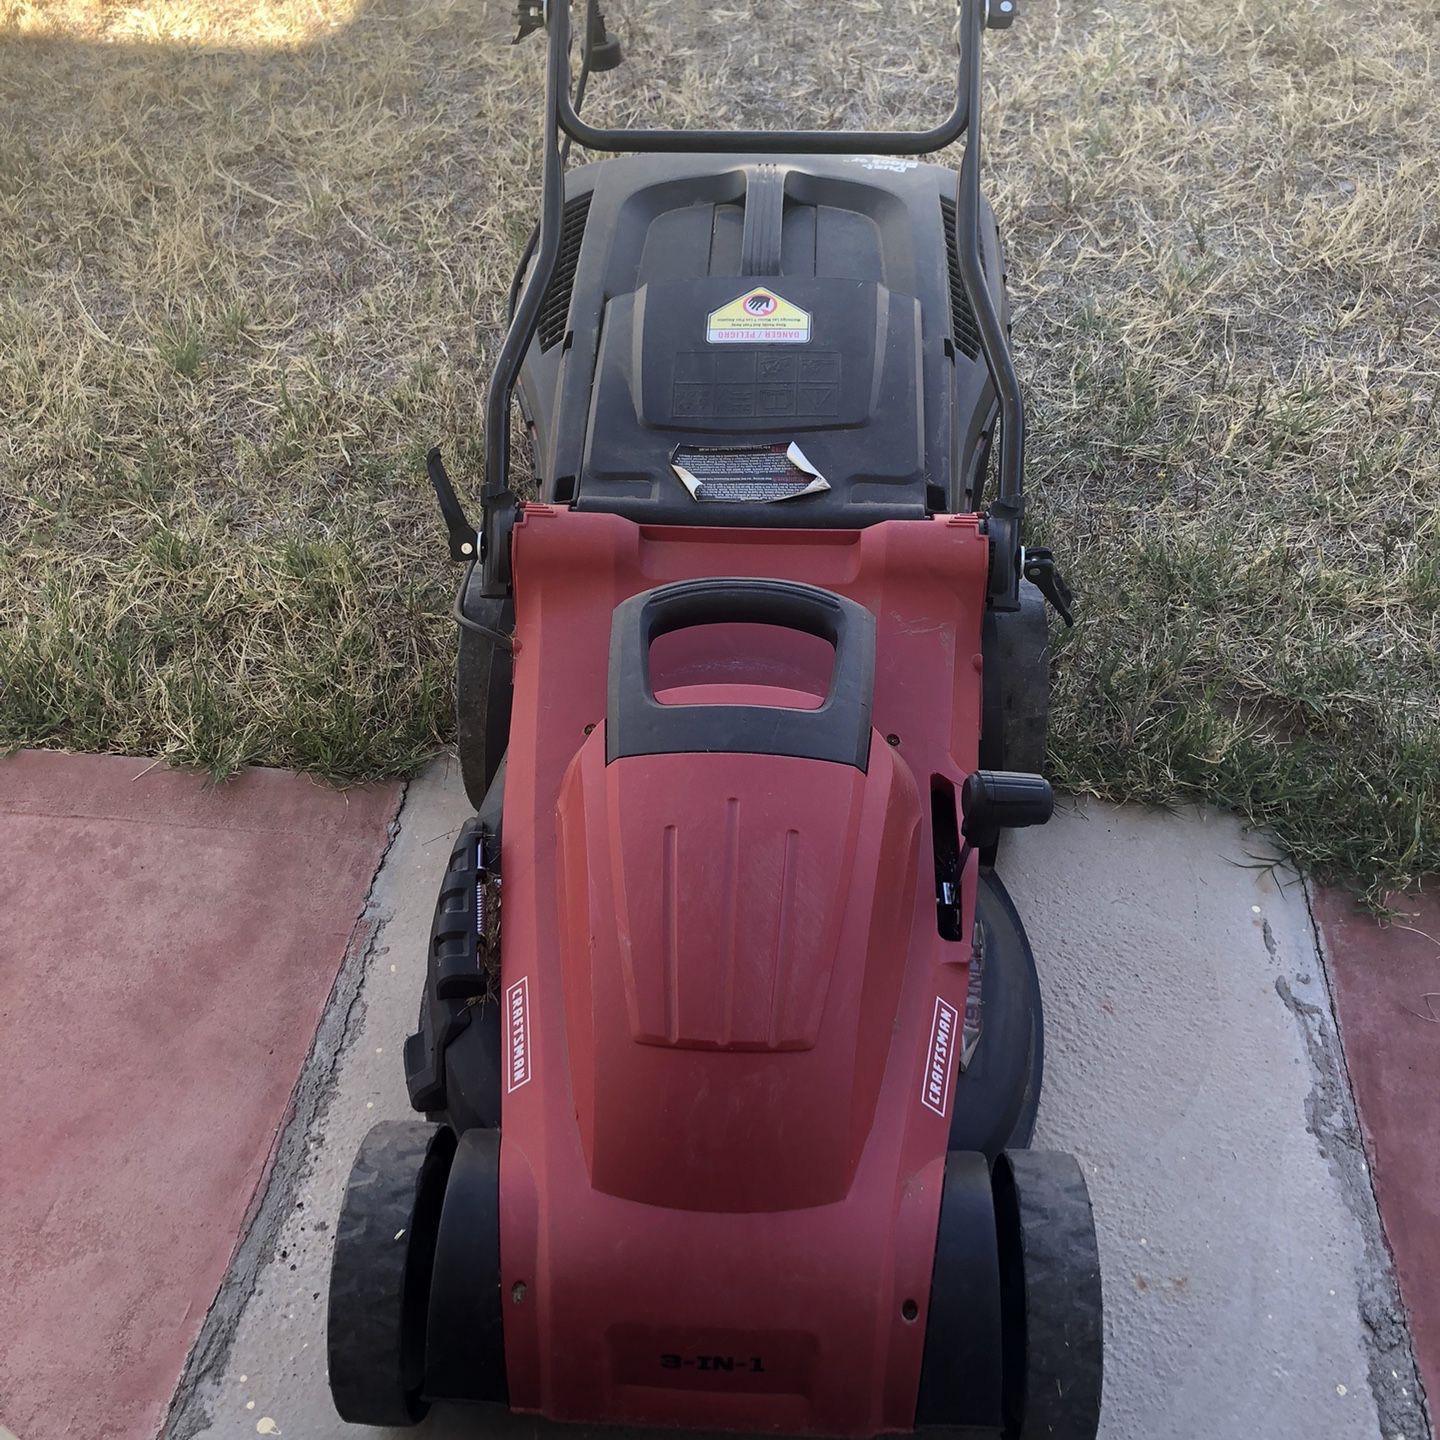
(728, 1008)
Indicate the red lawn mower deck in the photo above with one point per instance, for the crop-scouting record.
(731, 1041)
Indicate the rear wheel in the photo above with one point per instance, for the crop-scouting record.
(381, 1272)
(1015, 721)
(1052, 1328)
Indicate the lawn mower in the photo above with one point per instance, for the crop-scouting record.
(730, 1043)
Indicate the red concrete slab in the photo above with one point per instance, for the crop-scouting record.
(1387, 993)
(166, 952)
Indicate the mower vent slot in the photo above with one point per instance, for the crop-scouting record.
(945, 842)
(962, 318)
(555, 312)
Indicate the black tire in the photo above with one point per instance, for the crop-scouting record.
(1053, 1314)
(997, 1094)
(1015, 720)
(381, 1270)
(484, 672)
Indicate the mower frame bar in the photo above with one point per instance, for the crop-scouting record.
(1006, 509)
(762, 142)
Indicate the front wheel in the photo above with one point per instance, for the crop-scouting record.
(1053, 1313)
(381, 1273)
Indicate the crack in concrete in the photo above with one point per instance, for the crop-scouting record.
(1332, 1119)
(290, 1157)
(1269, 937)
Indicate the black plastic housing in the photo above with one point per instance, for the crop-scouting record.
(890, 398)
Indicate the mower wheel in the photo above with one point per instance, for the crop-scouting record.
(1015, 717)
(998, 1092)
(381, 1271)
(1052, 1328)
(483, 675)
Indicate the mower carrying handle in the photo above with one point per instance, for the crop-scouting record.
(636, 723)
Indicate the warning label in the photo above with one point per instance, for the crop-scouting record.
(746, 473)
(760, 317)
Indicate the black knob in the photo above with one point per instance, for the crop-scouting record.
(996, 800)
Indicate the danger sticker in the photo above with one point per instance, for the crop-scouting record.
(517, 1010)
(935, 1084)
(740, 474)
(760, 317)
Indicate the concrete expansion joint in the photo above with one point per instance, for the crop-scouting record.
(290, 1159)
(1332, 1119)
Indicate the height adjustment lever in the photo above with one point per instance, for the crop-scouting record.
(460, 532)
(1039, 570)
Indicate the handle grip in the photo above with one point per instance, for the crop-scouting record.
(636, 723)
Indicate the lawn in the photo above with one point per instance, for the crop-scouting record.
(253, 260)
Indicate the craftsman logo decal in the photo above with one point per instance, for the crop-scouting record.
(935, 1084)
(517, 1007)
(760, 317)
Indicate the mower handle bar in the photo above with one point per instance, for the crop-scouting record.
(1006, 509)
(756, 142)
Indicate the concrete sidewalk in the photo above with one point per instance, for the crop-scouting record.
(1193, 1064)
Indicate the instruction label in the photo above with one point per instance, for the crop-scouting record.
(760, 317)
(739, 474)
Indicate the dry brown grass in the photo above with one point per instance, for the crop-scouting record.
(253, 259)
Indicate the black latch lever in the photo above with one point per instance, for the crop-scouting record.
(1040, 571)
(461, 533)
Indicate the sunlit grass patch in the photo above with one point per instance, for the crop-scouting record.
(180, 22)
